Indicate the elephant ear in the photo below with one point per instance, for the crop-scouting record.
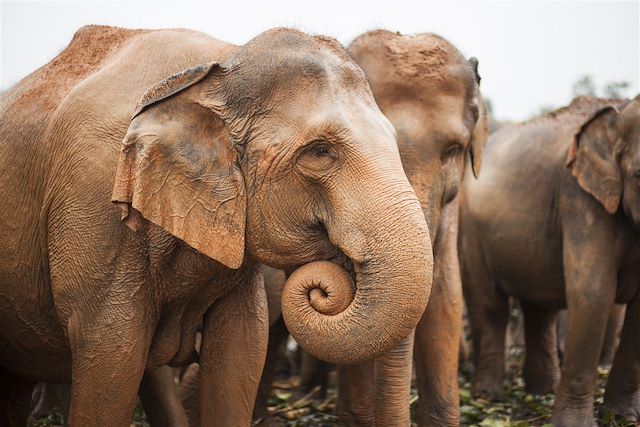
(592, 158)
(178, 169)
(479, 136)
(481, 128)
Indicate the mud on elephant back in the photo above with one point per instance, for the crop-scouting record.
(217, 157)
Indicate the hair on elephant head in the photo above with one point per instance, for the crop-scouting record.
(431, 94)
(280, 153)
(605, 157)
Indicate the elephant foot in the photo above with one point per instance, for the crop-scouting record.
(487, 390)
(573, 417)
(540, 384)
(442, 418)
(620, 405)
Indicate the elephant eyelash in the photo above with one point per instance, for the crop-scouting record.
(321, 148)
(453, 150)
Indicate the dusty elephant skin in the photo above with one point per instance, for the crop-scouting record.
(554, 221)
(273, 152)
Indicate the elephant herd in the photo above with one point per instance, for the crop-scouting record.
(149, 176)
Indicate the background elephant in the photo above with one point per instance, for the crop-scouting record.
(430, 93)
(553, 222)
(213, 174)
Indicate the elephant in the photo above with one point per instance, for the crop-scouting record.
(554, 222)
(146, 173)
(430, 93)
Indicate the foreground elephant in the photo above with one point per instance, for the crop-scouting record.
(430, 93)
(272, 152)
(554, 221)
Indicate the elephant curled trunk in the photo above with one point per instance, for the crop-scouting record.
(342, 322)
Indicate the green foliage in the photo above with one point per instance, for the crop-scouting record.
(616, 89)
(584, 86)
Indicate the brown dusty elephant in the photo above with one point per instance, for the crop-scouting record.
(144, 176)
(554, 221)
(430, 93)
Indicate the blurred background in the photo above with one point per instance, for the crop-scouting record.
(534, 55)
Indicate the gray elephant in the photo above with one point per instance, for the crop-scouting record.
(554, 221)
(144, 176)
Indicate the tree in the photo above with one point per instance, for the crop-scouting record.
(584, 86)
(616, 90)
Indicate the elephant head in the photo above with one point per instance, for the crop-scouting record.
(279, 153)
(431, 94)
(605, 158)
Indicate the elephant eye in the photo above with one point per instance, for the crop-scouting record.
(453, 150)
(317, 157)
(321, 149)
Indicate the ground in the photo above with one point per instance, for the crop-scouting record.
(519, 409)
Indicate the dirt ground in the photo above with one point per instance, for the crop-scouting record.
(518, 409)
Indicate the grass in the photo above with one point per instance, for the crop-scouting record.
(517, 409)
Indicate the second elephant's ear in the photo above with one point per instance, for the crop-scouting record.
(481, 128)
(479, 136)
(178, 169)
(592, 158)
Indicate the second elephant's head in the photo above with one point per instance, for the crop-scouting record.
(279, 153)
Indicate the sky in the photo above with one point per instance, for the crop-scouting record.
(530, 52)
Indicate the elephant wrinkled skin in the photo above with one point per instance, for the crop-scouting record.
(554, 221)
(217, 157)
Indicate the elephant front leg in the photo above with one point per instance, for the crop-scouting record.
(160, 399)
(590, 281)
(277, 335)
(489, 315)
(109, 356)
(232, 354)
(622, 396)
(393, 385)
(437, 341)
(356, 394)
(541, 370)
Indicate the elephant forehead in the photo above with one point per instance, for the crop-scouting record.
(347, 119)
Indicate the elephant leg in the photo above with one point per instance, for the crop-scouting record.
(160, 399)
(437, 340)
(622, 395)
(561, 332)
(232, 353)
(393, 385)
(590, 280)
(15, 399)
(489, 315)
(108, 361)
(612, 335)
(541, 370)
(356, 394)
(190, 393)
(277, 335)
(313, 372)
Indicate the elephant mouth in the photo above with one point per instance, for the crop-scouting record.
(339, 259)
